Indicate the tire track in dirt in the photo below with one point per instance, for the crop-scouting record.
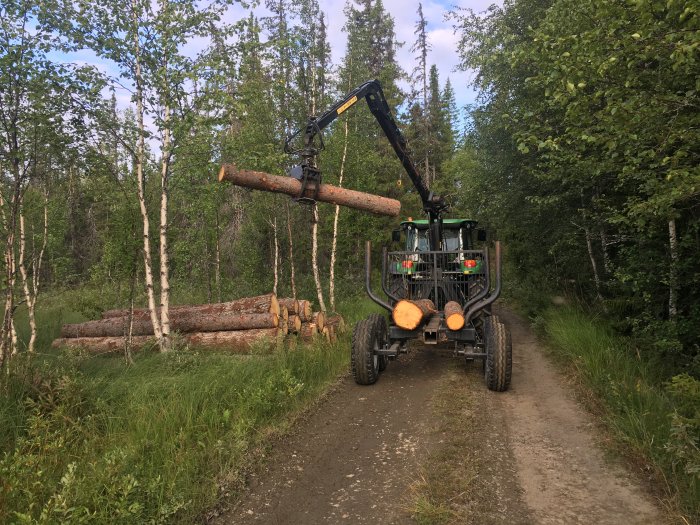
(353, 458)
(563, 472)
(528, 455)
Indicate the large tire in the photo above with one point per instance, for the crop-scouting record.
(499, 355)
(368, 336)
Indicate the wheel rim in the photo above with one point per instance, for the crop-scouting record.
(375, 357)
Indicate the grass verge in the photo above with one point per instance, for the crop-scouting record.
(90, 439)
(655, 422)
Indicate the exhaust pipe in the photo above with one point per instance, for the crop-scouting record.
(368, 278)
(496, 291)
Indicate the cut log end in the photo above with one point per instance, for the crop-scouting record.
(454, 316)
(410, 314)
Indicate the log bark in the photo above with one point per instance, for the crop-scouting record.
(261, 304)
(326, 193)
(337, 322)
(180, 321)
(294, 324)
(292, 305)
(242, 341)
(305, 310)
(332, 334)
(308, 331)
(410, 314)
(454, 316)
(320, 319)
(284, 320)
(284, 315)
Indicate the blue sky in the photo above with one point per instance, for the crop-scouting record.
(441, 37)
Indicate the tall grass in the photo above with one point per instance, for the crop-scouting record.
(88, 439)
(654, 421)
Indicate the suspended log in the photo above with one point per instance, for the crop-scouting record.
(337, 322)
(241, 341)
(326, 193)
(261, 304)
(454, 316)
(305, 310)
(410, 314)
(294, 324)
(292, 305)
(183, 321)
(320, 319)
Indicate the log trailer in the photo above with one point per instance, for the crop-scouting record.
(437, 268)
(439, 287)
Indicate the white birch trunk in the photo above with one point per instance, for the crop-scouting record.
(277, 258)
(291, 251)
(164, 341)
(30, 286)
(314, 259)
(217, 260)
(334, 246)
(673, 270)
(140, 183)
(8, 335)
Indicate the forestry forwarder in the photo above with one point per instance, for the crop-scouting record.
(437, 268)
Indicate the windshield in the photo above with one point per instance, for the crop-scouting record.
(417, 240)
(451, 240)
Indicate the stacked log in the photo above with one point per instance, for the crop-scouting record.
(305, 310)
(319, 318)
(337, 322)
(239, 341)
(308, 331)
(294, 324)
(237, 326)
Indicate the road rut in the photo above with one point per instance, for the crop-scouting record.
(358, 456)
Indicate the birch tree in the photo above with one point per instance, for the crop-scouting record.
(151, 59)
(40, 107)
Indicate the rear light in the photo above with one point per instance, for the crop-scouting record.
(470, 263)
(407, 264)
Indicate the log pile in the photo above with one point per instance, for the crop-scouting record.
(237, 326)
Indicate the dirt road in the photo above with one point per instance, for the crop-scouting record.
(368, 454)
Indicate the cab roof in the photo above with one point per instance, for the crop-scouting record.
(455, 224)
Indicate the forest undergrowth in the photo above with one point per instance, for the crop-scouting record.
(92, 439)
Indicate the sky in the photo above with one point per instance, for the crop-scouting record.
(441, 35)
(441, 38)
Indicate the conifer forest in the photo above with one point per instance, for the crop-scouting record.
(579, 151)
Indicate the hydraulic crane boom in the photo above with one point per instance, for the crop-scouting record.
(372, 92)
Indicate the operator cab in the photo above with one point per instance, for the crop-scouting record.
(456, 236)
